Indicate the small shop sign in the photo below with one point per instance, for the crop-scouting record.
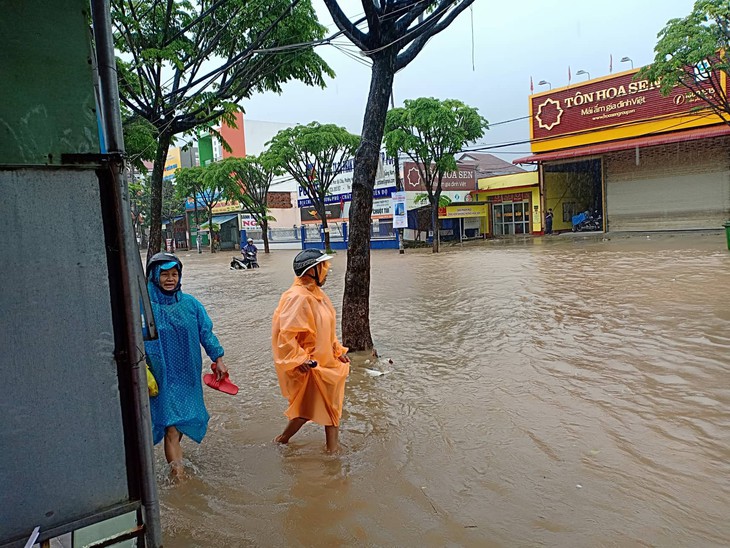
(463, 211)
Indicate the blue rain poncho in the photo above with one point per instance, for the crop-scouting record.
(183, 325)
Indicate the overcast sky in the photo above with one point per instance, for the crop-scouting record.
(513, 40)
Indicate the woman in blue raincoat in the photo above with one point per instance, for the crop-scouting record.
(183, 326)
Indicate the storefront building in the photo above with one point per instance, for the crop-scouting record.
(339, 198)
(512, 203)
(459, 220)
(464, 221)
(231, 219)
(225, 216)
(617, 149)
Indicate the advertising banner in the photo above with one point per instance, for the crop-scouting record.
(460, 211)
(309, 214)
(461, 179)
(341, 187)
(382, 192)
(514, 197)
(172, 163)
(221, 207)
(400, 218)
(247, 222)
(607, 102)
(382, 208)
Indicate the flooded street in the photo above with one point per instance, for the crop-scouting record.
(558, 392)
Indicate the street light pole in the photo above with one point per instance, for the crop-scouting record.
(398, 186)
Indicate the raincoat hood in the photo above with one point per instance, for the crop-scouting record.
(157, 294)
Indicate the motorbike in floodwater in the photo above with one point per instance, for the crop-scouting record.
(588, 222)
(244, 263)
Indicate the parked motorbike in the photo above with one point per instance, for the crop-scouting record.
(244, 263)
(587, 221)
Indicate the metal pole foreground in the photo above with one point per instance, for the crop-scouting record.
(134, 360)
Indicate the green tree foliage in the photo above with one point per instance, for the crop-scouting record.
(139, 201)
(430, 132)
(140, 141)
(200, 184)
(173, 205)
(313, 155)
(247, 181)
(184, 64)
(396, 32)
(691, 52)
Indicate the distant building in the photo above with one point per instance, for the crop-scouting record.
(488, 165)
(248, 138)
(245, 138)
(178, 158)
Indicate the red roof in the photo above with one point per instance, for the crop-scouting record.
(613, 146)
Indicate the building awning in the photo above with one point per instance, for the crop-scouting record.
(173, 219)
(513, 180)
(626, 144)
(219, 220)
(166, 222)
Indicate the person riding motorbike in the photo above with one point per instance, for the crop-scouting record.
(250, 248)
(250, 253)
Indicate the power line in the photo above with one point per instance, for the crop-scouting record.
(432, 20)
(351, 55)
(490, 124)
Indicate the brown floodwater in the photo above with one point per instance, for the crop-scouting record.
(558, 391)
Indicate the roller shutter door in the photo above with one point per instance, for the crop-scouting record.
(669, 203)
(680, 187)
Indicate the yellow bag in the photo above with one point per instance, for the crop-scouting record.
(152, 383)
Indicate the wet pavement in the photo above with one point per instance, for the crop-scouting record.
(548, 392)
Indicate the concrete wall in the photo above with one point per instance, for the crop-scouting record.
(259, 132)
(567, 188)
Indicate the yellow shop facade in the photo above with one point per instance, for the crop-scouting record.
(512, 204)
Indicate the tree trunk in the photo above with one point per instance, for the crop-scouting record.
(435, 223)
(210, 229)
(265, 234)
(399, 188)
(155, 242)
(326, 232)
(356, 301)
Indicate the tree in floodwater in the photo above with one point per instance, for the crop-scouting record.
(396, 33)
(314, 155)
(430, 132)
(202, 186)
(184, 65)
(247, 181)
(691, 53)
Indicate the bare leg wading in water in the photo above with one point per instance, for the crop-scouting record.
(311, 365)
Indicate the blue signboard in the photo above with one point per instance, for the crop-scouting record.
(347, 197)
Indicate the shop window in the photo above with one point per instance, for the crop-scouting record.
(569, 209)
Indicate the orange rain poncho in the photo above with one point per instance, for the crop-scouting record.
(304, 329)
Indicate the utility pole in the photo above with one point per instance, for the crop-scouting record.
(197, 224)
(398, 185)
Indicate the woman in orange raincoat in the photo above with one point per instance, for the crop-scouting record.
(311, 364)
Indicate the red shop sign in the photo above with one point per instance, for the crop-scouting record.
(608, 102)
